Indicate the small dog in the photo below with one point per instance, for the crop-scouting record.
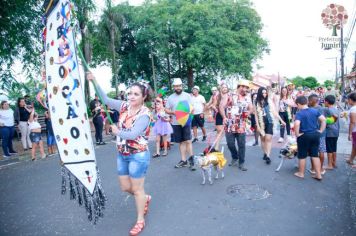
(207, 160)
(289, 151)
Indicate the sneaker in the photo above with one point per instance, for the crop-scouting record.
(102, 143)
(181, 164)
(204, 138)
(264, 157)
(97, 143)
(233, 162)
(6, 156)
(255, 144)
(13, 153)
(242, 167)
(268, 160)
(280, 140)
(194, 140)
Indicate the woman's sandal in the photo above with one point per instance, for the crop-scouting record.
(165, 154)
(149, 197)
(138, 227)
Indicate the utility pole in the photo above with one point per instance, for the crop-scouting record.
(342, 56)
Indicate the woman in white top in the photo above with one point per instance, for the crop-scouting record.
(7, 129)
(352, 127)
(35, 134)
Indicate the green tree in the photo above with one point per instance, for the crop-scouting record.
(189, 39)
(328, 83)
(310, 82)
(298, 81)
(20, 38)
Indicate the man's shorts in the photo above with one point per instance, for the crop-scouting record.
(331, 144)
(133, 165)
(197, 121)
(182, 134)
(35, 137)
(308, 145)
(354, 139)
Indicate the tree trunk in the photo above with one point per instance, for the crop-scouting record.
(113, 56)
(169, 72)
(190, 77)
(87, 56)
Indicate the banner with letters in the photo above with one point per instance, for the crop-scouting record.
(68, 110)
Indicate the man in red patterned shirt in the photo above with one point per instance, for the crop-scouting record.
(235, 113)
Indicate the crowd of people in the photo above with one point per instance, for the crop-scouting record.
(311, 117)
(25, 119)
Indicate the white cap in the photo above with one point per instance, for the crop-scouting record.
(214, 89)
(177, 81)
(196, 87)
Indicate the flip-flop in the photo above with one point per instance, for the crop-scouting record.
(318, 179)
(348, 161)
(297, 175)
(328, 168)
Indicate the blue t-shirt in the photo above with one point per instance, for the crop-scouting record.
(308, 120)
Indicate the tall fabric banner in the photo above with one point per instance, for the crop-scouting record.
(68, 109)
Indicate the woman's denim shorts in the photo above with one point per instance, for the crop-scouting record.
(35, 137)
(133, 165)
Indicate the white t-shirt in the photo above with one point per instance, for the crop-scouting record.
(173, 101)
(7, 117)
(198, 103)
(34, 125)
(352, 110)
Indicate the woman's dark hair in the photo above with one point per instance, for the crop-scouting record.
(260, 99)
(281, 97)
(19, 100)
(252, 95)
(2, 103)
(146, 90)
(352, 96)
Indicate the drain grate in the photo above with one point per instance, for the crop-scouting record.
(248, 191)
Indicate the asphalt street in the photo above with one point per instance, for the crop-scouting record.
(259, 201)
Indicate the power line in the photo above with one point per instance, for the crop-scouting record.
(351, 29)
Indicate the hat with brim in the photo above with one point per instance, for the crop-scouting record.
(244, 83)
(196, 87)
(177, 81)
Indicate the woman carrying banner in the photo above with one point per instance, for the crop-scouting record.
(132, 143)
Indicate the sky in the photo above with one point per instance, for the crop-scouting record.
(293, 30)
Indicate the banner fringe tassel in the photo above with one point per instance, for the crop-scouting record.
(94, 204)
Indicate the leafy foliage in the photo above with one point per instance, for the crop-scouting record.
(308, 82)
(189, 39)
(329, 83)
(20, 38)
